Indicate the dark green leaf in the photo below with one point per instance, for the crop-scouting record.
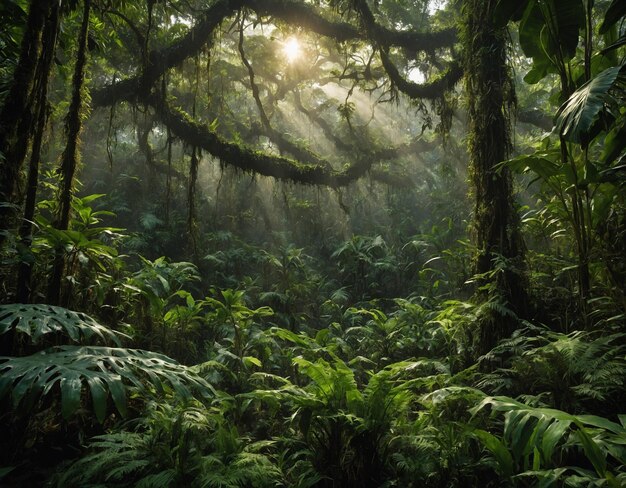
(98, 368)
(38, 320)
(549, 31)
(592, 451)
(615, 142)
(498, 449)
(615, 12)
(70, 393)
(577, 115)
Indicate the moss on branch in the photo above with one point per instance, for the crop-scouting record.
(289, 11)
(311, 169)
(432, 89)
(246, 159)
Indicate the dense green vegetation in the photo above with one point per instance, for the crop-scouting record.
(313, 244)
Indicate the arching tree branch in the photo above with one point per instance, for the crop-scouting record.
(142, 87)
(307, 17)
(248, 160)
(431, 90)
(290, 11)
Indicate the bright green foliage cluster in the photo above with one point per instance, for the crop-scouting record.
(280, 408)
(265, 335)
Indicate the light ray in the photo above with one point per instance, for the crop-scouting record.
(292, 49)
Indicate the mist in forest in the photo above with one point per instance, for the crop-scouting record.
(284, 243)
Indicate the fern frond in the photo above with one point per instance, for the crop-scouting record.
(164, 479)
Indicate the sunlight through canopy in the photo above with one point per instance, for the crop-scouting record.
(292, 49)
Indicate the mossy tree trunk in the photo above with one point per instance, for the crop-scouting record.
(17, 117)
(69, 162)
(500, 249)
(44, 66)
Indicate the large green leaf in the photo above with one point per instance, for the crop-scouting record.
(549, 30)
(531, 25)
(101, 371)
(577, 115)
(540, 163)
(615, 142)
(498, 449)
(566, 18)
(509, 10)
(597, 436)
(39, 321)
(615, 12)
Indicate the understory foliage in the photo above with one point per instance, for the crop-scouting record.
(354, 403)
(186, 315)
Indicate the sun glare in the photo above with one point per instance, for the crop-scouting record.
(292, 50)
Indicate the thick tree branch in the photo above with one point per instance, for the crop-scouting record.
(430, 90)
(535, 117)
(248, 160)
(433, 89)
(306, 16)
(292, 12)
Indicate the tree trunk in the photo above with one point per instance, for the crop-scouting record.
(16, 115)
(192, 225)
(500, 260)
(41, 105)
(70, 154)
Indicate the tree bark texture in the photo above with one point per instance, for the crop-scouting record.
(496, 227)
(17, 114)
(70, 154)
(41, 103)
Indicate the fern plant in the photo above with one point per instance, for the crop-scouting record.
(367, 266)
(346, 429)
(174, 446)
(579, 371)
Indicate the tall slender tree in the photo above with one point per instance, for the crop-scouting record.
(49, 40)
(69, 162)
